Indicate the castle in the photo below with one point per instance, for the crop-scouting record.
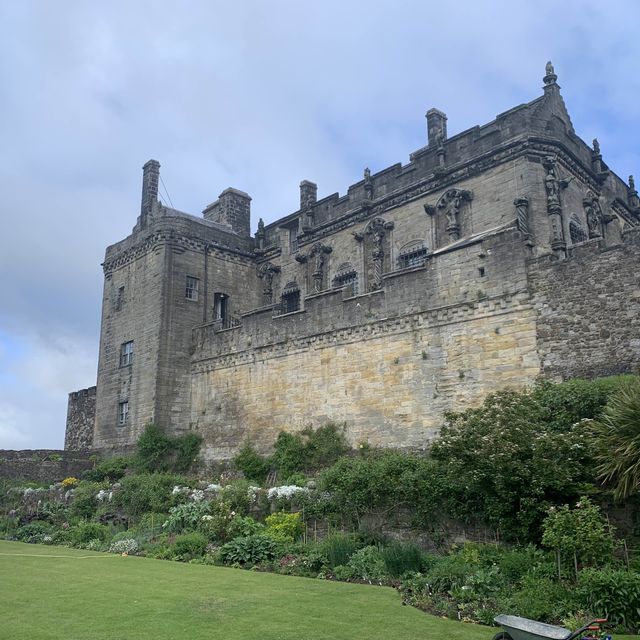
(503, 253)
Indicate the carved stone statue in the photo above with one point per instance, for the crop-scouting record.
(554, 207)
(266, 273)
(591, 209)
(632, 184)
(260, 234)
(549, 70)
(596, 146)
(368, 184)
(450, 204)
(376, 231)
(319, 252)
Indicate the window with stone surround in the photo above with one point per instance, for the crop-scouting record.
(123, 412)
(413, 254)
(126, 353)
(192, 288)
(346, 276)
(576, 230)
(290, 299)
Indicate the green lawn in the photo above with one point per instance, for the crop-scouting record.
(87, 596)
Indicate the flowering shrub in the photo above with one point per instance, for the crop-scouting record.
(70, 482)
(286, 492)
(127, 545)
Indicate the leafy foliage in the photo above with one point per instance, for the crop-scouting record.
(581, 534)
(141, 493)
(613, 593)
(400, 558)
(190, 544)
(156, 451)
(285, 527)
(254, 466)
(617, 440)
(248, 550)
(503, 464)
(186, 516)
(109, 470)
(338, 549)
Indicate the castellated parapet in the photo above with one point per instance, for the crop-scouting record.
(500, 254)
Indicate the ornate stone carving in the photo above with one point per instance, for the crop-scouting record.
(266, 273)
(522, 218)
(375, 232)
(632, 195)
(593, 213)
(554, 207)
(450, 204)
(550, 74)
(318, 253)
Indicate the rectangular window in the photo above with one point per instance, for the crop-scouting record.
(415, 258)
(126, 353)
(291, 302)
(193, 286)
(123, 412)
(293, 238)
(349, 279)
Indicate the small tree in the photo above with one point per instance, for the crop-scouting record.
(581, 534)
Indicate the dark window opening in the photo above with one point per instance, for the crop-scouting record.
(413, 258)
(481, 271)
(290, 301)
(577, 232)
(349, 280)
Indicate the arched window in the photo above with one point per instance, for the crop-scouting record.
(346, 276)
(413, 254)
(576, 230)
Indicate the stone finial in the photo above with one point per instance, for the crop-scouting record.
(596, 146)
(550, 74)
(260, 234)
(436, 127)
(368, 184)
(632, 184)
(150, 180)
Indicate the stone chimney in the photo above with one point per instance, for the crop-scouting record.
(150, 179)
(308, 194)
(232, 209)
(436, 127)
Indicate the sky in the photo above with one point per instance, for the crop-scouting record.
(254, 95)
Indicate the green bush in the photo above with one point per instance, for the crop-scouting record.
(156, 451)
(249, 550)
(284, 527)
(504, 465)
(146, 492)
(338, 548)
(190, 544)
(34, 532)
(236, 496)
(368, 564)
(612, 593)
(84, 504)
(254, 466)
(87, 531)
(542, 599)
(400, 558)
(110, 470)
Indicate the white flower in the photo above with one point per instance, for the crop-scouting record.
(197, 495)
(206, 518)
(286, 491)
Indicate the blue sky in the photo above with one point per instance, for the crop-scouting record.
(257, 96)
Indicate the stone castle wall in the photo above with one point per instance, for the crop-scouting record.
(81, 417)
(588, 309)
(43, 465)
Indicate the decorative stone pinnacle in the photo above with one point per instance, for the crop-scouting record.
(550, 75)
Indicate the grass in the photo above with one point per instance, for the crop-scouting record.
(85, 596)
